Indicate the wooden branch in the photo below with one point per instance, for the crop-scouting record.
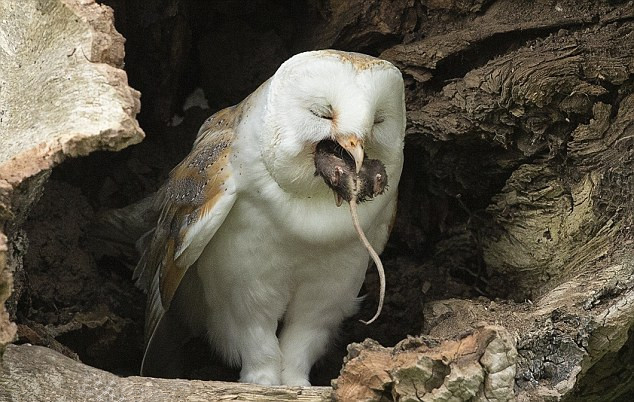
(35, 373)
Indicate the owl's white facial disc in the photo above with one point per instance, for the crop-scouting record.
(330, 95)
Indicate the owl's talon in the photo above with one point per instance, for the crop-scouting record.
(294, 380)
(263, 376)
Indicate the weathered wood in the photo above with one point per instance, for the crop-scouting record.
(422, 59)
(545, 133)
(7, 328)
(530, 108)
(62, 94)
(361, 25)
(74, 72)
(477, 366)
(551, 347)
(35, 373)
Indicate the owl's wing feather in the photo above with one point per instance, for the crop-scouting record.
(195, 201)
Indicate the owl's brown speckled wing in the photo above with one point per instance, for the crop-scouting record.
(195, 201)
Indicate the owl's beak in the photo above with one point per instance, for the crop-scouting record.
(354, 146)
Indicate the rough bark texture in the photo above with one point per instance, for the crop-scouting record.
(479, 366)
(555, 350)
(512, 257)
(62, 94)
(7, 328)
(61, 59)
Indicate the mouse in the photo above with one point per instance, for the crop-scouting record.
(337, 168)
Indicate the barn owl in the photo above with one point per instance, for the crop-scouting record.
(249, 239)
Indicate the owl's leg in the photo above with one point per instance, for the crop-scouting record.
(248, 340)
(244, 335)
(241, 325)
(310, 322)
(244, 300)
(260, 354)
(301, 348)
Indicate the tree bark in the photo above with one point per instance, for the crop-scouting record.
(63, 94)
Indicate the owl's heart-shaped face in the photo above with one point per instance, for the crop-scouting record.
(355, 100)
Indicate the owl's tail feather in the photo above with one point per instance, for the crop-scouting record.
(120, 233)
(164, 353)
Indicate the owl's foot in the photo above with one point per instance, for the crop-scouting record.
(294, 379)
(261, 375)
